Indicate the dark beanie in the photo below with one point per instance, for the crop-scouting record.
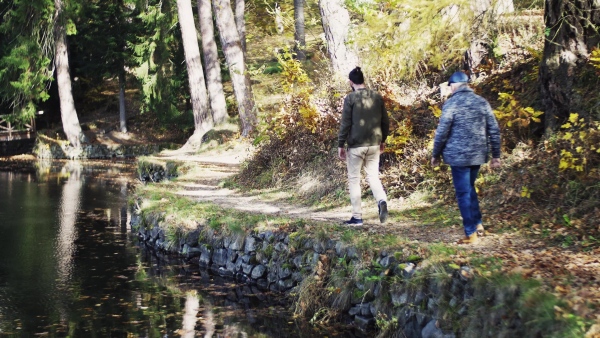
(356, 76)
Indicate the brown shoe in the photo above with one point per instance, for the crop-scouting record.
(480, 230)
(469, 239)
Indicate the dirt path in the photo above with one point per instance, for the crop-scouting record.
(570, 275)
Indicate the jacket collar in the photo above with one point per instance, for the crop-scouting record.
(462, 89)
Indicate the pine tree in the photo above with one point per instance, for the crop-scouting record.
(104, 31)
(26, 52)
(158, 60)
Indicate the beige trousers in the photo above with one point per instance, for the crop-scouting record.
(356, 159)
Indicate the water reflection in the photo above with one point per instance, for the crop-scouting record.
(67, 215)
(69, 268)
(192, 305)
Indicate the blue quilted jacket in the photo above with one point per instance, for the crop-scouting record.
(467, 129)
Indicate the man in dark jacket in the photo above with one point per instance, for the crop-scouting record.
(466, 127)
(364, 127)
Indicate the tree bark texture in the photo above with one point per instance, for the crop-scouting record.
(202, 118)
(278, 19)
(212, 68)
(240, 22)
(480, 42)
(232, 49)
(122, 112)
(68, 114)
(336, 21)
(498, 7)
(299, 34)
(570, 25)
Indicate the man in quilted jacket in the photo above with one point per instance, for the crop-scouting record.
(466, 131)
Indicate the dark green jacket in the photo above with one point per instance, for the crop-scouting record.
(365, 121)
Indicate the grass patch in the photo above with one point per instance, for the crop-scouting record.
(438, 214)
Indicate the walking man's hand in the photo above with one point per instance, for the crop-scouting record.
(342, 154)
(435, 162)
(495, 163)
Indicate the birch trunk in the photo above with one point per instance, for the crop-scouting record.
(68, 114)
(240, 22)
(299, 34)
(278, 19)
(232, 49)
(212, 67)
(336, 21)
(202, 118)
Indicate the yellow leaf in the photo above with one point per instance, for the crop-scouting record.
(566, 153)
(566, 125)
(579, 149)
(573, 117)
(567, 136)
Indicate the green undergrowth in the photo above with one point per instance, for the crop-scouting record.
(511, 305)
(502, 304)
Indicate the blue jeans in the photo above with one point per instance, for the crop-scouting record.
(466, 196)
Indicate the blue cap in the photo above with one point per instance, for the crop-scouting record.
(458, 77)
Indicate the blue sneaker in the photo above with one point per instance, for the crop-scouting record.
(383, 211)
(354, 221)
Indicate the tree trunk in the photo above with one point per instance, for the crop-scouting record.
(235, 59)
(571, 34)
(68, 114)
(240, 22)
(480, 42)
(496, 7)
(202, 118)
(122, 112)
(211, 62)
(336, 20)
(299, 35)
(278, 19)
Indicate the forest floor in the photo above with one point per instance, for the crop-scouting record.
(573, 276)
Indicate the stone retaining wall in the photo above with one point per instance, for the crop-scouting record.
(280, 262)
(48, 150)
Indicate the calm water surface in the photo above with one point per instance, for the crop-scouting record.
(69, 267)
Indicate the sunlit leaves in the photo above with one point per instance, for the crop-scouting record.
(402, 39)
(578, 144)
(595, 59)
(299, 109)
(526, 192)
